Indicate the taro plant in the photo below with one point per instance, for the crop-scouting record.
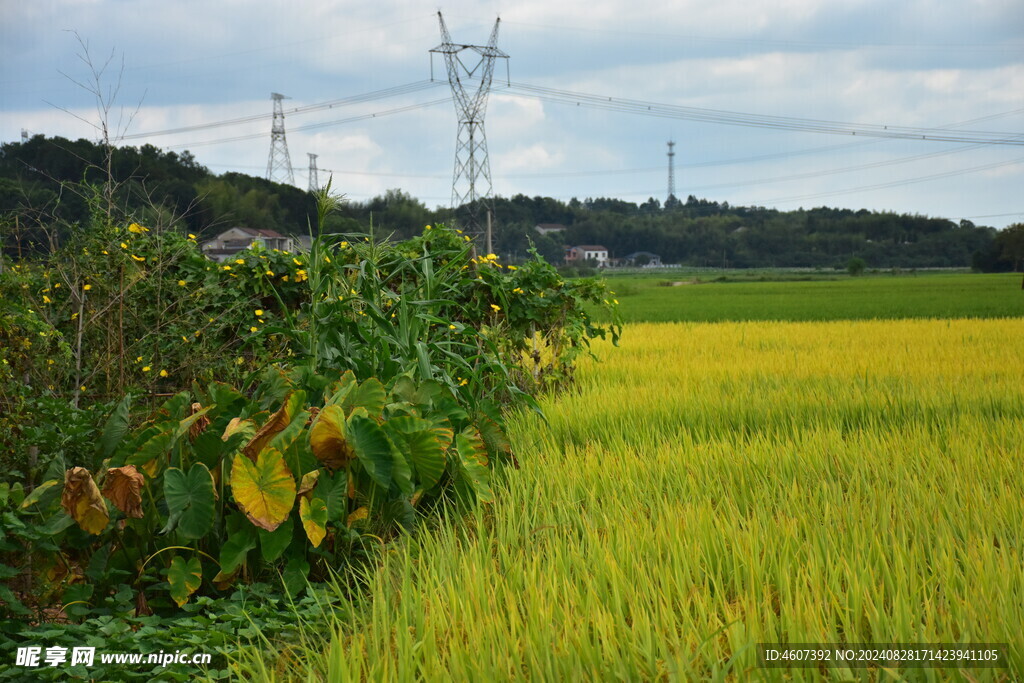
(216, 487)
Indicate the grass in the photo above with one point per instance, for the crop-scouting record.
(711, 486)
(957, 295)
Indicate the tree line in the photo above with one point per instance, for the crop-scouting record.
(44, 194)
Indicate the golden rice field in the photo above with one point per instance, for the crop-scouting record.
(711, 486)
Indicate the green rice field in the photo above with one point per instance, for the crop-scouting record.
(705, 297)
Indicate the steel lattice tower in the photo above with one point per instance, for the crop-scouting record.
(314, 182)
(279, 163)
(671, 173)
(471, 182)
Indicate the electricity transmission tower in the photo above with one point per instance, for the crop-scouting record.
(471, 83)
(314, 183)
(672, 199)
(279, 163)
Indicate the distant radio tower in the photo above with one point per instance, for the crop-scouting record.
(314, 183)
(471, 183)
(24, 135)
(279, 163)
(671, 174)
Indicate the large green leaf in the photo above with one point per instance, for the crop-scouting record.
(273, 543)
(426, 451)
(265, 489)
(156, 448)
(372, 447)
(334, 490)
(370, 395)
(234, 550)
(184, 578)
(190, 499)
(116, 427)
(295, 573)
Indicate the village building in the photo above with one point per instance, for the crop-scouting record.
(583, 253)
(233, 240)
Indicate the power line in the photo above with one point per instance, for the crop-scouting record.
(311, 126)
(736, 118)
(320, 106)
(898, 183)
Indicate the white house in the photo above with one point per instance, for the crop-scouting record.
(587, 252)
(233, 240)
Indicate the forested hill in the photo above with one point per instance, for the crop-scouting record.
(43, 183)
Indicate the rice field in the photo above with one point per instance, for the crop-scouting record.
(710, 297)
(708, 487)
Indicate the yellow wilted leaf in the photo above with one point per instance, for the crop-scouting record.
(123, 487)
(359, 515)
(236, 425)
(151, 467)
(265, 489)
(82, 500)
(313, 513)
(327, 438)
(277, 422)
(308, 483)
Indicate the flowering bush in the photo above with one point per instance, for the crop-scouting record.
(369, 380)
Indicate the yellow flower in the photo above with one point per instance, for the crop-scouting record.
(496, 307)
(184, 339)
(458, 231)
(138, 359)
(57, 286)
(137, 229)
(87, 287)
(81, 388)
(512, 267)
(259, 311)
(517, 290)
(49, 361)
(491, 257)
(138, 258)
(615, 301)
(270, 273)
(466, 237)
(105, 253)
(451, 327)
(296, 261)
(284, 278)
(253, 329)
(239, 261)
(123, 245)
(239, 360)
(46, 300)
(163, 373)
(146, 368)
(191, 236)
(181, 283)
(198, 332)
(463, 382)
(226, 267)
(344, 244)
(327, 258)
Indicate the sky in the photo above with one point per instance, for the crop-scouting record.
(953, 65)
